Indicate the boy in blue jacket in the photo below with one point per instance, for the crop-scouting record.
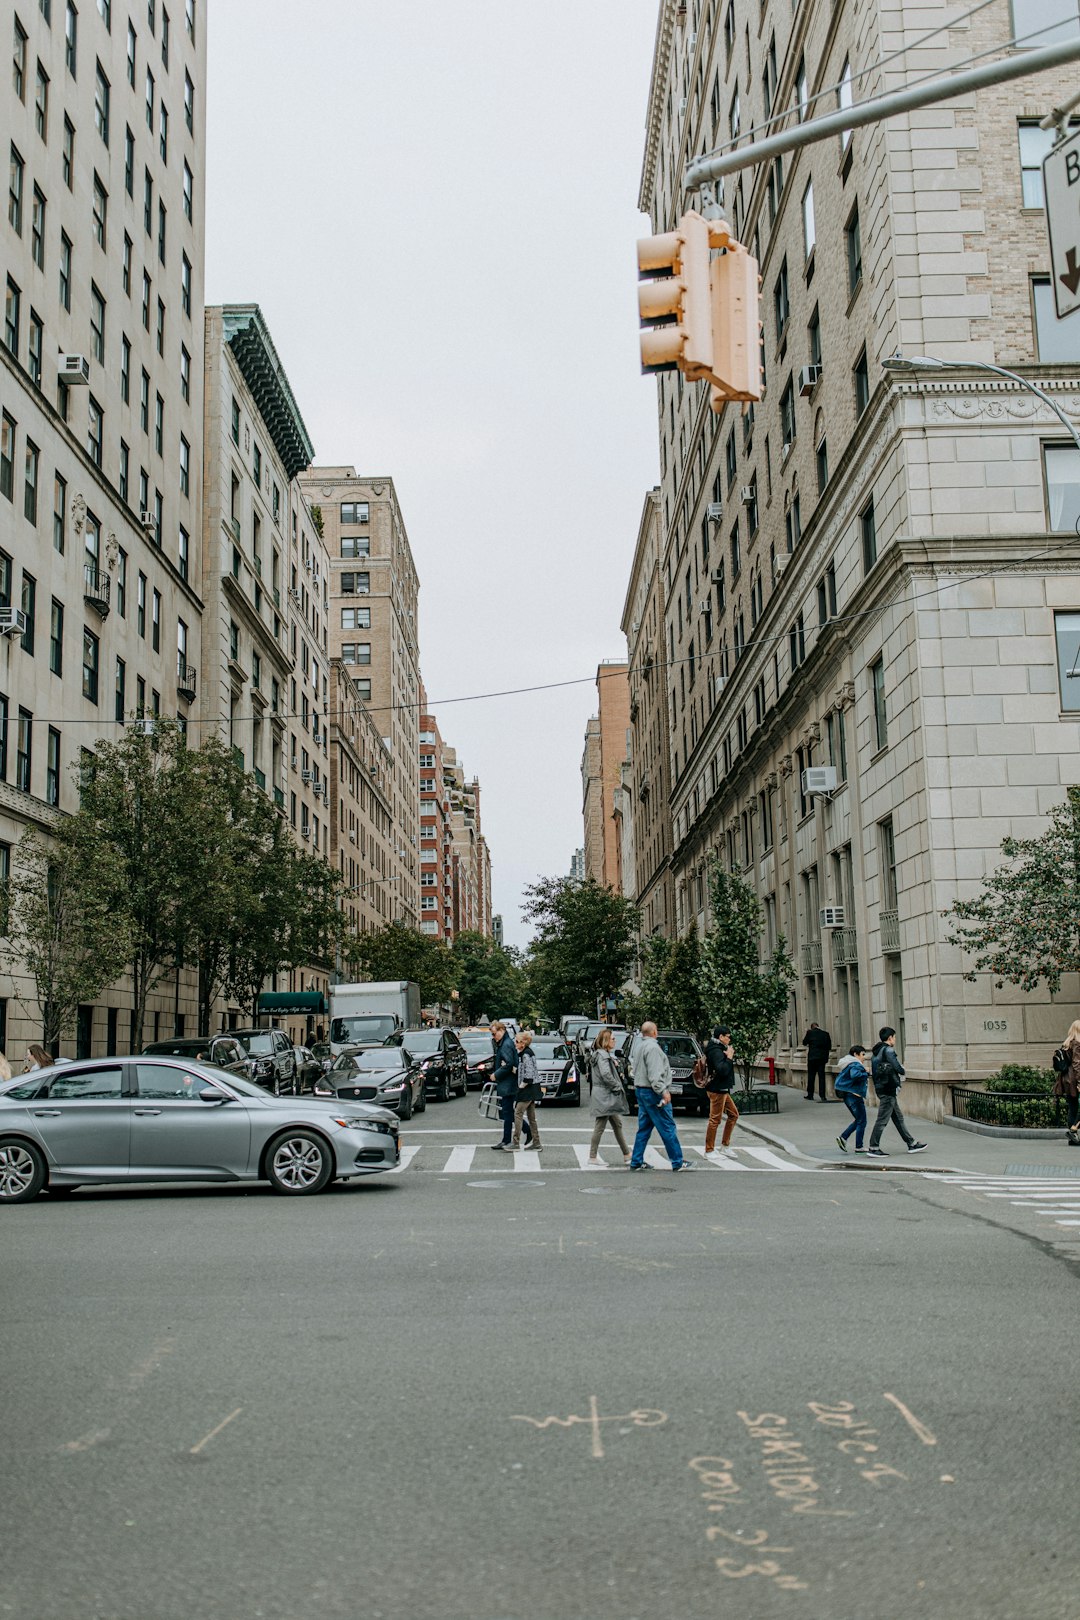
(850, 1086)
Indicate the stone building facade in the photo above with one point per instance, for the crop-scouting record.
(361, 825)
(436, 839)
(877, 576)
(648, 783)
(101, 396)
(607, 743)
(373, 627)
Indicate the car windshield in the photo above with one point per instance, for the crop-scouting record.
(362, 1027)
(477, 1045)
(384, 1057)
(680, 1048)
(591, 1031)
(422, 1040)
(177, 1048)
(549, 1049)
(259, 1043)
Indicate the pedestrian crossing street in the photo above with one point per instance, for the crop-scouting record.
(1055, 1197)
(432, 1151)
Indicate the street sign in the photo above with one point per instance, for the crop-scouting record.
(1061, 188)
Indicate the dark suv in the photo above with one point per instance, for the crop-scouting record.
(220, 1051)
(443, 1060)
(683, 1051)
(273, 1059)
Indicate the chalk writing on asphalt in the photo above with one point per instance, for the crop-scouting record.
(640, 1418)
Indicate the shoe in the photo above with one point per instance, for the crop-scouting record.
(877, 1153)
(841, 1144)
(916, 1147)
(533, 1147)
(497, 1147)
(1073, 1140)
(676, 1169)
(860, 1150)
(596, 1164)
(508, 1147)
(809, 1096)
(639, 1167)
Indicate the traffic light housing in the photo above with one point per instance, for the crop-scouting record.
(699, 308)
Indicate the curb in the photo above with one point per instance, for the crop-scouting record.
(848, 1164)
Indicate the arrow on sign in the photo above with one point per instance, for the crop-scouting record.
(1071, 278)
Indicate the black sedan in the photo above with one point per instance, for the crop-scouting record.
(559, 1078)
(384, 1075)
(682, 1051)
(442, 1059)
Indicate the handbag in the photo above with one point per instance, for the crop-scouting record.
(489, 1101)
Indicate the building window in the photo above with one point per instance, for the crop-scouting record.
(97, 324)
(18, 64)
(189, 104)
(256, 465)
(125, 471)
(354, 512)
(56, 638)
(797, 643)
(121, 584)
(30, 487)
(71, 37)
(868, 531)
(160, 334)
(355, 545)
(861, 377)
(7, 467)
(105, 13)
(844, 100)
(24, 743)
(184, 553)
(787, 413)
(826, 595)
(813, 334)
(147, 285)
(52, 768)
(127, 264)
(185, 466)
(12, 305)
(162, 219)
(1056, 341)
(35, 349)
(853, 241)
(29, 607)
(1067, 634)
(155, 621)
(120, 692)
(189, 192)
(67, 153)
(90, 666)
(144, 401)
(821, 460)
(37, 227)
(15, 191)
(808, 225)
(95, 430)
(836, 738)
(41, 103)
(781, 305)
(185, 375)
(356, 618)
(65, 270)
(877, 690)
(1035, 143)
(59, 513)
(1062, 464)
(1044, 22)
(159, 424)
(185, 286)
(140, 606)
(234, 641)
(131, 43)
(101, 104)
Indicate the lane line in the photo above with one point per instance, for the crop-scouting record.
(215, 1431)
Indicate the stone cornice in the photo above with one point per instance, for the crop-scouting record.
(654, 118)
(26, 807)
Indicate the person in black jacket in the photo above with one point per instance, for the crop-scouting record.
(504, 1075)
(720, 1062)
(818, 1043)
(888, 1073)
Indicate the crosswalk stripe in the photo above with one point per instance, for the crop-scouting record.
(581, 1154)
(719, 1164)
(460, 1160)
(465, 1158)
(408, 1154)
(767, 1157)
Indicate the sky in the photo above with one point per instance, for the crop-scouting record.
(435, 207)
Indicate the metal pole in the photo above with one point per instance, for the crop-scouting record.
(1019, 66)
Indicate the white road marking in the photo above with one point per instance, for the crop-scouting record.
(765, 1156)
(1056, 1197)
(719, 1164)
(460, 1161)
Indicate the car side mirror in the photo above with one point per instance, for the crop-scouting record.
(210, 1094)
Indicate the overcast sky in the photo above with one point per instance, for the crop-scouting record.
(436, 208)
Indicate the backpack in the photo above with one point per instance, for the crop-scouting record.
(1061, 1062)
(700, 1073)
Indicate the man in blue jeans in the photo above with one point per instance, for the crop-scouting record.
(651, 1076)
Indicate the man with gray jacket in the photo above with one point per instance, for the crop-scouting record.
(651, 1075)
(888, 1074)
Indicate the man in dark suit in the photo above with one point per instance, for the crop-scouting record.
(818, 1043)
(504, 1075)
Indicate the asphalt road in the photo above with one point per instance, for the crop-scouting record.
(537, 1396)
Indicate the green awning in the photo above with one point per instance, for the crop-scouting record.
(292, 1001)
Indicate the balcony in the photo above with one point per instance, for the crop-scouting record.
(890, 931)
(96, 589)
(811, 957)
(845, 947)
(185, 680)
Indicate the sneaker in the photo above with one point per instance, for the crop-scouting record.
(596, 1164)
(639, 1167)
(860, 1150)
(841, 1144)
(676, 1169)
(877, 1153)
(916, 1147)
(533, 1147)
(497, 1147)
(508, 1147)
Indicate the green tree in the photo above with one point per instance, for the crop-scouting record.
(63, 924)
(1024, 928)
(651, 998)
(737, 989)
(584, 943)
(684, 1004)
(399, 952)
(490, 978)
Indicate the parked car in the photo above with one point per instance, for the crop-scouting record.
(273, 1058)
(569, 1025)
(442, 1059)
(218, 1051)
(167, 1120)
(683, 1051)
(323, 1055)
(583, 1039)
(378, 1074)
(308, 1067)
(559, 1079)
(479, 1054)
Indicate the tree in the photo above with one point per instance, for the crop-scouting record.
(1024, 927)
(737, 990)
(584, 943)
(490, 978)
(684, 1005)
(399, 952)
(64, 926)
(651, 999)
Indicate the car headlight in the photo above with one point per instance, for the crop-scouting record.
(350, 1122)
(264, 1066)
(396, 1085)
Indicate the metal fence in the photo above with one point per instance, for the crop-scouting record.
(1030, 1110)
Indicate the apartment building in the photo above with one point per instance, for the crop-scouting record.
(436, 837)
(647, 781)
(373, 605)
(872, 575)
(101, 398)
(468, 870)
(607, 744)
(592, 802)
(361, 827)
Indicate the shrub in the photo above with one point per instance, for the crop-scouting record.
(1021, 1077)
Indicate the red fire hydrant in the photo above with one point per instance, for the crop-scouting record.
(771, 1061)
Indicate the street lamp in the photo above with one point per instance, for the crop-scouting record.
(902, 363)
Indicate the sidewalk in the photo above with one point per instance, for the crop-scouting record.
(809, 1131)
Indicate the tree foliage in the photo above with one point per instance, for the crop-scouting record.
(490, 979)
(651, 998)
(583, 947)
(399, 952)
(63, 923)
(738, 990)
(1024, 928)
(684, 1003)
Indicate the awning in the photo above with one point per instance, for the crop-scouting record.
(292, 1001)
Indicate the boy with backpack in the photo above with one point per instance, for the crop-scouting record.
(888, 1073)
(851, 1086)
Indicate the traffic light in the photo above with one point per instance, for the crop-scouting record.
(699, 311)
(675, 305)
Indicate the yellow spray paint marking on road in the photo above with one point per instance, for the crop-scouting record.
(215, 1431)
(926, 1435)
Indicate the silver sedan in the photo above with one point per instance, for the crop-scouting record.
(158, 1119)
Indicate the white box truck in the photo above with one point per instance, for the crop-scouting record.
(371, 1012)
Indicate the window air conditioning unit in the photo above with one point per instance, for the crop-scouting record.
(819, 779)
(704, 606)
(294, 762)
(808, 379)
(748, 494)
(781, 567)
(721, 682)
(352, 835)
(12, 621)
(305, 829)
(832, 917)
(148, 522)
(715, 512)
(682, 107)
(316, 737)
(74, 369)
(785, 451)
(307, 776)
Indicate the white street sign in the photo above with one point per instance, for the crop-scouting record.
(1061, 186)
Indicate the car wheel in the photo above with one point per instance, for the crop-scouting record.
(442, 1094)
(464, 1088)
(22, 1171)
(299, 1162)
(421, 1101)
(405, 1107)
(575, 1098)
